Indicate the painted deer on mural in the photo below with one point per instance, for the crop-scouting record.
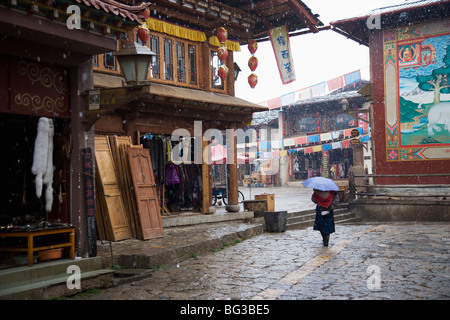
(439, 114)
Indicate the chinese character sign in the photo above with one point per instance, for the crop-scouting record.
(281, 48)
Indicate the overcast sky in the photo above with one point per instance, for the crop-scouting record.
(317, 57)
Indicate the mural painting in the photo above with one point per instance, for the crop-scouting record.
(417, 91)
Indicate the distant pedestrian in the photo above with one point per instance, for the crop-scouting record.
(324, 221)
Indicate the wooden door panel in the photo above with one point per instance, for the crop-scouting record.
(145, 191)
(115, 214)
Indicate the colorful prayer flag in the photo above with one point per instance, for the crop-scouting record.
(301, 140)
(335, 83)
(274, 103)
(288, 99)
(352, 77)
(304, 94)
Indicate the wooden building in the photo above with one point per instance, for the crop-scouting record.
(409, 59)
(319, 137)
(186, 93)
(55, 55)
(46, 54)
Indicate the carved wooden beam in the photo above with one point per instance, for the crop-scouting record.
(111, 99)
(302, 13)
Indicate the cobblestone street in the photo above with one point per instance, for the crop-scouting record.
(378, 261)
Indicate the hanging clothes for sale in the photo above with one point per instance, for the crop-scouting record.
(183, 187)
(171, 175)
(179, 185)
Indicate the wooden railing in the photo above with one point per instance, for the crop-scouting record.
(370, 183)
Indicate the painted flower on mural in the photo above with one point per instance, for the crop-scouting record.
(393, 155)
(389, 35)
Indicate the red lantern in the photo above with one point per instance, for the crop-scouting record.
(145, 13)
(252, 46)
(223, 71)
(252, 80)
(143, 34)
(253, 63)
(222, 53)
(222, 34)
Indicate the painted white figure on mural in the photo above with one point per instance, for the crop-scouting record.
(439, 114)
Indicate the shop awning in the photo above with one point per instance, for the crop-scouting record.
(169, 101)
(163, 91)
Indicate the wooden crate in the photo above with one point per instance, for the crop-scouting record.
(270, 198)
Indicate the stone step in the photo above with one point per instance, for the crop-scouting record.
(49, 279)
(305, 219)
(25, 275)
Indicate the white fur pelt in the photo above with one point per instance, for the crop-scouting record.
(43, 160)
(48, 176)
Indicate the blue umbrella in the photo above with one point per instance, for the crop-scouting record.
(321, 183)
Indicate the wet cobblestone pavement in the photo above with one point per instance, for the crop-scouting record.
(376, 261)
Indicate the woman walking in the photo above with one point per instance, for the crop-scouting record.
(324, 221)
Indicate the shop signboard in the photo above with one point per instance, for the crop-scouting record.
(355, 142)
(355, 133)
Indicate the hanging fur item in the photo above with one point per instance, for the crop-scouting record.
(48, 176)
(40, 154)
(43, 160)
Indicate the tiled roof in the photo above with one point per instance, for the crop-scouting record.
(411, 12)
(117, 8)
(394, 9)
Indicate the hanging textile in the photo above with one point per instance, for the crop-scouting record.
(175, 30)
(183, 187)
(232, 45)
(279, 37)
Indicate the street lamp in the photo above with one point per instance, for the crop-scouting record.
(134, 60)
(344, 104)
(236, 71)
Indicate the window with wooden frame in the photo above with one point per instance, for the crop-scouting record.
(109, 61)
(216, 81)
(192, 61)
(176, 60)
(154, 46)
(106, 62)
(181, 62)
(168, 58)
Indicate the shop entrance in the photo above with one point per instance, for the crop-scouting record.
(335, 165)
(179, 185)
(19, 204)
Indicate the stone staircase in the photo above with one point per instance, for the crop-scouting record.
(305, 219)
